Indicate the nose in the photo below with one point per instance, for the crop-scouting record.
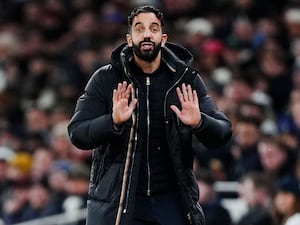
(147, 33)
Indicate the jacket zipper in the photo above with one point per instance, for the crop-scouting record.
(188, 215)
(148, 136)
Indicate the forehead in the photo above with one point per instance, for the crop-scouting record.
(146, 18)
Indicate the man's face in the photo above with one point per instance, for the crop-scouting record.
(146, 38)
(247, 192)
(148, 54)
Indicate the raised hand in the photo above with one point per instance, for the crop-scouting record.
(122, 110)
(190, 111)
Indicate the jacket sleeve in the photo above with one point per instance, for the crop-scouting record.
(215, 129)
(91, 124)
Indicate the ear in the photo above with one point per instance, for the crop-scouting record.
(129, 40)
(164, 40)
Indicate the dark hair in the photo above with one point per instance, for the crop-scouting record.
(206, 176)
(261, 180)
(145, 9)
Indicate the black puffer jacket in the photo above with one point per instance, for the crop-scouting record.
(92, 128)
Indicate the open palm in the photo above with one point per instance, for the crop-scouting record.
(190, 110)
(122, 110)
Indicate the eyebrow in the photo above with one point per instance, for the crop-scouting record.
(139, 23)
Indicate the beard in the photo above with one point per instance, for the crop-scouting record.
(145, 55)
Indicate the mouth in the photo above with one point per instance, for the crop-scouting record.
(147, 46)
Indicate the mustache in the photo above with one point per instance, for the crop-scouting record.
(146, 40)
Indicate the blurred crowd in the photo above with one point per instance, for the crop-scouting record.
(247, 51)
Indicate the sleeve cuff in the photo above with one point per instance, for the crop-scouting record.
(118, 129)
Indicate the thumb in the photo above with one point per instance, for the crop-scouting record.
(133, 103)
(175, 109)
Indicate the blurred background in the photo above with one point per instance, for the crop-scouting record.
(248, 53)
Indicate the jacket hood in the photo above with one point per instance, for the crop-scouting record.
(178, 52)
(173, 55)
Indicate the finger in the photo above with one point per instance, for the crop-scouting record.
(190, 93)
(123, 89)
(128, 91)
(195, 97)
(184, 92)
(117, 93)
(132, 104)
(119, 87)
(180, 95)
(114, 95)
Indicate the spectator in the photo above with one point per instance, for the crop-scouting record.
(37, 122)
(62, 147)
(276, 158)
(181, 8)
(6, 154)
(57, 181)
(289, 120)
(38, 203)
(257, 190)
(239, 90)
(15, 203)
(296, 70)
(244, 149)
(210, 60)
(215, 213)
(38, 77)
(77, 185)
(287, 202)
(76, 189)
(20, 168)
(292, 22)
(42, 162)
(274, 65)
(197, 30)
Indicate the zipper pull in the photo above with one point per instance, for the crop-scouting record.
(147, 81)
(189, 217)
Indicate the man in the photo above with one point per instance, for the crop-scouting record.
(139, 113)
(257, 189)
(215, 213)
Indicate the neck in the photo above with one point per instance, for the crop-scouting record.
(148, 67)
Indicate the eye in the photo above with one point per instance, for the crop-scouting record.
(154, 29)
(139, 29)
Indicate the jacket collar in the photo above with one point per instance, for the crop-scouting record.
(175, 56)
